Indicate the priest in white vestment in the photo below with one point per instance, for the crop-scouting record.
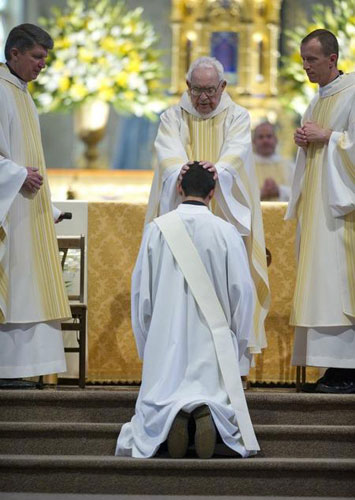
(207, 126)
(181, 376)
(33, 300)
(323, 201)
(274, 172)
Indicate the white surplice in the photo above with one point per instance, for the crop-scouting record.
(279, 169)
(323, 201)
(180, 367)
(33, 299)
(222, 137)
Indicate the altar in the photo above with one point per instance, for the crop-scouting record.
(113, 232)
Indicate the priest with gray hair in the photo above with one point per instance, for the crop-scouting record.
(207, 126)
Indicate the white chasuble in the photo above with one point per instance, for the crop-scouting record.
(223, 138)
(323, 200)
(180, 364)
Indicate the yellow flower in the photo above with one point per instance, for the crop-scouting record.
(78, 91)
(125, 48)
(85, 55)
(58, 64)
(102, 61)
(64, 83)
(134, 64)
(129, 95)
(153, 84)
(105, 89)
(62, 43)
(121, 79)
(346, 65)
(62, 21)
(106, 94)
(296, 57)
(109, 43)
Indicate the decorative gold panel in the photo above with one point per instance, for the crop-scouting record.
(253, 25)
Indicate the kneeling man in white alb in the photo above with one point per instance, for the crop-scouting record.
(192, 317)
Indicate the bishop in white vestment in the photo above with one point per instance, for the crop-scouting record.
(206, 125)
(323, 201)
(180, 366)
(33, 300)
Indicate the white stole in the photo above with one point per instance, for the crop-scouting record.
(189, 261)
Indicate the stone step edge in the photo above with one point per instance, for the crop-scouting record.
(118, 396)
(100, 463)
(95, 428)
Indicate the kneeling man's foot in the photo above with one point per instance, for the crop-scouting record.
(205, 435)
(178, 437)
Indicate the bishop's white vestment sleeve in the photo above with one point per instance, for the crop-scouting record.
(234, 166)
(171, 157)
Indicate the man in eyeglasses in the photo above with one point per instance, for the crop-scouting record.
(207, 126)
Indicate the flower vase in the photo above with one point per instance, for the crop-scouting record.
(90, 122)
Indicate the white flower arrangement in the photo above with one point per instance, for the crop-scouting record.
(101, 51)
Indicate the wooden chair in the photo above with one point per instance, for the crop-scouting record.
(76, 301)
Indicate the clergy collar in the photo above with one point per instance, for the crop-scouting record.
(341, 82)
(9, 77)
(14, 72)
(193, 209)
(186, 104)
(193, 202)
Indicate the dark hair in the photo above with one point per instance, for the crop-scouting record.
(197, 181)
(327, 40)
(24, 37)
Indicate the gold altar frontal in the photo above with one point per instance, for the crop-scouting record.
(114, 235)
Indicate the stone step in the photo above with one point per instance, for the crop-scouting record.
(112, 475)
(113, 406)
(303, 441)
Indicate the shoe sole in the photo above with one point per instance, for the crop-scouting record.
(178, 437)
(325, 389)
(205, 435)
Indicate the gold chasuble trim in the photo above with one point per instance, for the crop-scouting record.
(45, 250)
(307, 207)
(206, 136)
(348, 164)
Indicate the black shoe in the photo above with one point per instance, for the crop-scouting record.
(344, 386)
(334, 381)
(16, 383)
(178, 437)
(313, 386)
(205, 435)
